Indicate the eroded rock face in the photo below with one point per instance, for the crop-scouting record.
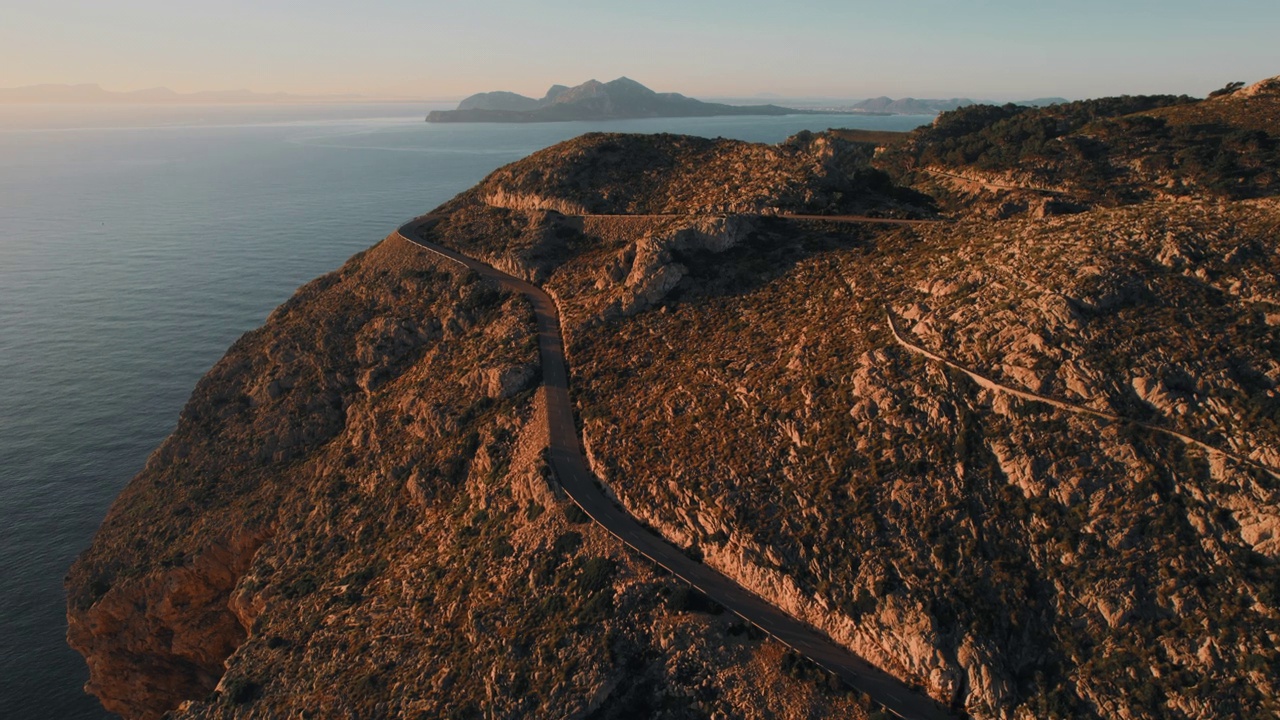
(154, 641)
(647, 268)
(533, 202)
(501, 382)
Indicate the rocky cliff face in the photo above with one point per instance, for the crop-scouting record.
(1000, 504)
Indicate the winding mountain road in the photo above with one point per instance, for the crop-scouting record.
(989, 384)
(581, 486)
(852, 219)
(857, 219)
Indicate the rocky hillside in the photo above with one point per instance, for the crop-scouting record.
(354, 518)
(743, 393)
(610, 174)
(1026, 461)
(1111, 151)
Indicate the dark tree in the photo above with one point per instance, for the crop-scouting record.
(1227, 89)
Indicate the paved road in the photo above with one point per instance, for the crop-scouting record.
(580, 484)
(860, 219)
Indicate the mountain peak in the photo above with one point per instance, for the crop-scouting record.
(554, 92)
(625, 81)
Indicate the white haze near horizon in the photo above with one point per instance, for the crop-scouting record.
(997, 49)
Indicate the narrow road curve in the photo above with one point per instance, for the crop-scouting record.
(855, 219)
(858, 219)
(990, 384)
(581, 486)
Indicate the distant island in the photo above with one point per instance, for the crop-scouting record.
(593, 100)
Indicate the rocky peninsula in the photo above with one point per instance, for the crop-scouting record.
(872, 426)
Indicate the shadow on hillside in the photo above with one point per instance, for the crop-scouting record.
(767, 254)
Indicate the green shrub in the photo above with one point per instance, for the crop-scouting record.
(567, 543)
(304, 585)
(575, 515)
(686, 598)
(597, 574)
(239, 690)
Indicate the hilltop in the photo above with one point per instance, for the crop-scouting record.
(1023, 458)
(593, 100)
(1110, 151)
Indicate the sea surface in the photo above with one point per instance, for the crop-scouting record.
(137, 243)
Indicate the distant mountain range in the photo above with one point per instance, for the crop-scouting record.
(593, 100)
(95, 94)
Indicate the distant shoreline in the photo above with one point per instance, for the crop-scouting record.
(445, 117)
(594, 101)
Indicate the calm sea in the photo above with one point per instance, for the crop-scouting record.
(136, 244)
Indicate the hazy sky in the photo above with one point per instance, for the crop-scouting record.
(998, 49)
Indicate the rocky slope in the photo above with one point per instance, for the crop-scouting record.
(611, 174)
(1025, 561)
(1109, 151)
(354, 517)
